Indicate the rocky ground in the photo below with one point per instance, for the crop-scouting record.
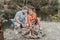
(51, 29)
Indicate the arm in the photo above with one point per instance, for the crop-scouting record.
(30, 23)
(29, 20)
(37, 19)
(26, 16)
(38, 22)
(17, 19)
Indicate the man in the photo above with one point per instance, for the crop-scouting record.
(19, 20)
(32, 21)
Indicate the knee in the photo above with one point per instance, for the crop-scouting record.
(18, 25)
(33, 28)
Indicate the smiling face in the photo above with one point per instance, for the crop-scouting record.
(24, 11)
(30, 11)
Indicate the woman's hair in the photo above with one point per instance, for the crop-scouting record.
(32, 9)
(29, 10)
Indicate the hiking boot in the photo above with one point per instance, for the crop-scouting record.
(15, 31)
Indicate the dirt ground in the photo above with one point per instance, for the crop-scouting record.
(51, 29)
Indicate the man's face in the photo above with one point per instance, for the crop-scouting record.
(24, 11)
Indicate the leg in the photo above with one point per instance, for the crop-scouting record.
(32, 31)
(28, 30)
(18, 26)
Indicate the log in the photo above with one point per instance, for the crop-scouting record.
(1, 32)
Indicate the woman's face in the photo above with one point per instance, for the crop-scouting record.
(30, 12)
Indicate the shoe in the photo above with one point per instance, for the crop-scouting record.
(15, 31)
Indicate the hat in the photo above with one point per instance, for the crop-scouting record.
(25, 8)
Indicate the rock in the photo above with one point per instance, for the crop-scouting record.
(51, 29)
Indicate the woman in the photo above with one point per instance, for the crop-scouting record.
(32, 20)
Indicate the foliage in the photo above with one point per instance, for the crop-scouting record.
(44, 8)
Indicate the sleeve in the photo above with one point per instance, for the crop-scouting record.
(17, 14)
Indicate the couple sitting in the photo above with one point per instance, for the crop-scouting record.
(26, 21)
